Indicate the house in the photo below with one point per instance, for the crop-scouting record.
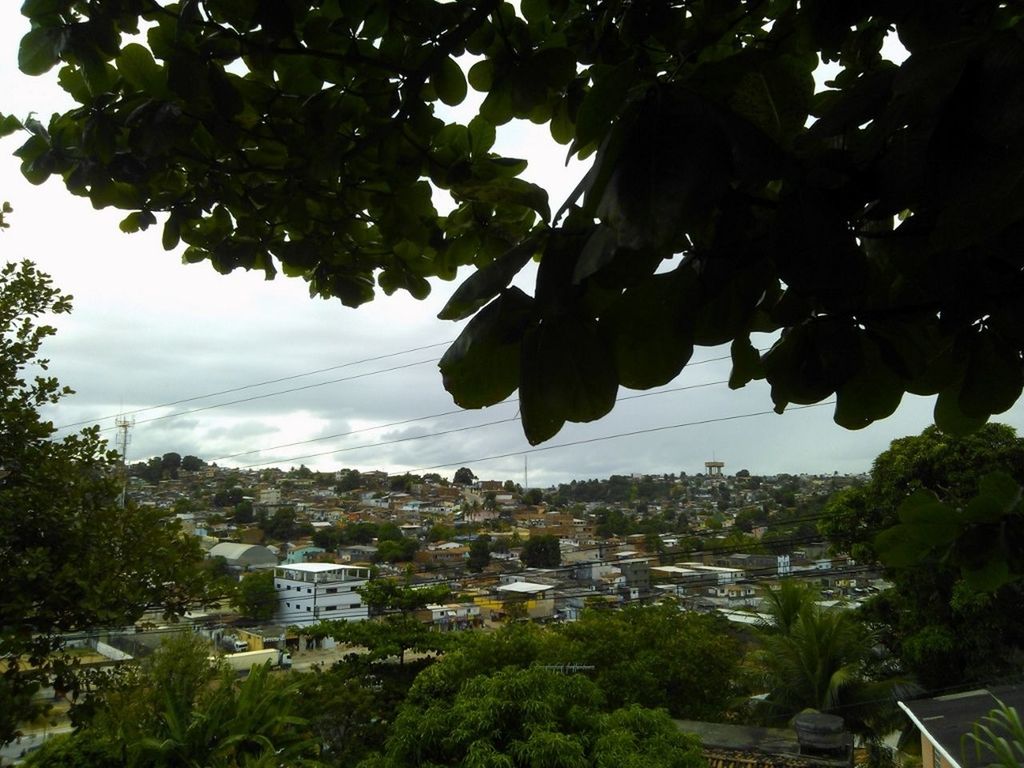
(448, 554)
(357, 553)
(311, 592)
(946, 721)
(243, 555)
(451, 616)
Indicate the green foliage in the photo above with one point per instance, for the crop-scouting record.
(479, 554)
(243, 512)
(385, 638)
(943, 514)
(872, 222)
(283, 525)
(396, 550)
(998, 738)
(815, 658)
(350, 708)
(463, 476)
(650, 656)
(984, 538)
(182, 711)
(73, 559)
(534, 717)
(256, 598)
(382, 595)
(541, 552)
(658, 657)
(192, 463)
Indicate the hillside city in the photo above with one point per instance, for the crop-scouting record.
(364, 578)
(708, 539)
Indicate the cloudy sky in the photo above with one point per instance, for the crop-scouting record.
(148, 333)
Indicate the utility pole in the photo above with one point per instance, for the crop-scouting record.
(123, 424)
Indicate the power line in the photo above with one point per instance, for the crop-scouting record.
(384, 443)
(257, 384)
(280, 392)
(299, 389)
(588, 441)
(420, 437)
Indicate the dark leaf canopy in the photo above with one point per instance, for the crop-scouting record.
(876, 222)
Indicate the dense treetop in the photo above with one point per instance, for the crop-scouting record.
(874, 222)
(73, 557)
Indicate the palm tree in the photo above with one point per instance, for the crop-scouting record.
(230, 725)
(821, 659)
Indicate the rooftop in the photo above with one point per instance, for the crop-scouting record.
(947, 719)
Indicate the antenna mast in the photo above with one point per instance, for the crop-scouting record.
(123, 425)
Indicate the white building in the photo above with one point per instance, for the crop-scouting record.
(312, 592)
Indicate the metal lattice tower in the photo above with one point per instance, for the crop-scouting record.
(123, 425)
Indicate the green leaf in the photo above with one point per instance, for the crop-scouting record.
(924, 508)
(481, 367)
(603, 103)
(481, 135)
(503, 192)
(449, 82)
(9, 124)
(873, 392)
(137, 220)
(950, 418)
(137, 66)
(567, 375)
(746, 363)
(998, 495)
(990, 576)
(487, 282)
(37, 53)
(994, 378)
(651, 342)
(481, 76)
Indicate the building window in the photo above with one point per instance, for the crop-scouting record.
(310, 591)
(331, 590)
(287, 605)
(308, 609)
(354, 605)
(330, 607)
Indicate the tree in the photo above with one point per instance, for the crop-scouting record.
(440, 532)
(243, 512)
(479, 554)
(192, 463)
(937, 501)
(73, 558)
(390, 636)
(396, 551)
(868, 222)
(181, 711)
(283, 525)
(541, 552)
(350, 708)
(533, 497)
(658, 657)
(464, 476)
(534, 717)
(257, 597)
(383, 595)
(227, 497)
(821, 659)
(171, 463)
